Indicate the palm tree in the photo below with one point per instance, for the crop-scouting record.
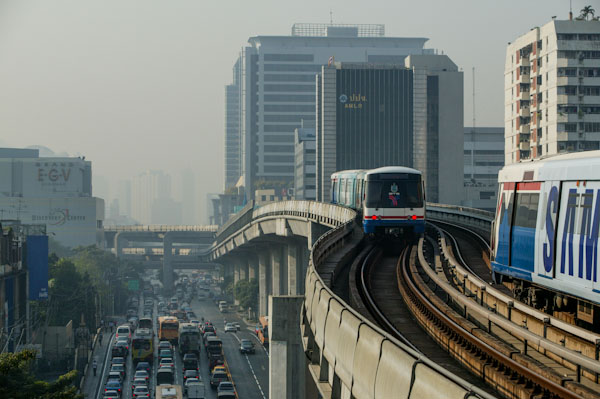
(585, 12)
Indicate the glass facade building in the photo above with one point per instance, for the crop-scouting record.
(372, 123)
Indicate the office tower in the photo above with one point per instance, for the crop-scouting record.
(276, 86)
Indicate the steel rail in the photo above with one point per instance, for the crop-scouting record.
(474, 307)
(526, 309)
(542, 382)
(370, 302)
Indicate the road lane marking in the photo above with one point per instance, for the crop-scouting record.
(251, 369)
(105, 366)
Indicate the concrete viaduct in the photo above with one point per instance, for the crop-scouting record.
(294, 249)
(195, 240)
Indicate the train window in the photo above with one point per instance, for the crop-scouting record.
(527, 210)
(404, 193)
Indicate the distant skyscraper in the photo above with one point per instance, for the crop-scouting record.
(233, 137)
(147, 188)
(188, 197)
(551, 89)
(408, 114)
(276, 87)
(124, 197)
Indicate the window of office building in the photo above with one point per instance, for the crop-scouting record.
(286, 87)
(292, 68)
(281, 128)
(288, 77)
(289, 108)
(292, 98)
(289, 57)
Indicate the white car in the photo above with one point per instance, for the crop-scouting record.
(230, 327)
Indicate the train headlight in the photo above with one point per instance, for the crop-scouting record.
(414, 217)
(374, 217)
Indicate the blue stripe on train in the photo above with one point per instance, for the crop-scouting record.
(511, 271)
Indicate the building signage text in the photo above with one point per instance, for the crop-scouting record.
(354, 101)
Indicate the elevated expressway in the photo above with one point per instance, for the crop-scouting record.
(295, 250)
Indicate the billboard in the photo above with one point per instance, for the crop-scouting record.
(53, 177)
(37, 265)
(70, 221)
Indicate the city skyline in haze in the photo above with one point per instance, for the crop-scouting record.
(139, 85)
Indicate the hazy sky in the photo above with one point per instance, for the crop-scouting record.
(134, 85)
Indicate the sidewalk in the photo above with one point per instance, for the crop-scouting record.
(91, 383)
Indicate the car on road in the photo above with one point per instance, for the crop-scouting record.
(113, 385)
(225, 386)
(119, 368)
(114, 375)
(190, 362)
(237, 325)
(230, 327)
(118, 351)
(123, 331)
(138, 382)
(143, 366)
(246, 346)
(164, 345)
(141, 374)
(190, 374)
(141, 391)
(165, 376)
(217, 377)
(226, 395)
(118, 360)
(167, 362)
(124, 345)
(165, 353)
(111, 395)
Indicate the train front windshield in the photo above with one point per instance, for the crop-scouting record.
(394, 190)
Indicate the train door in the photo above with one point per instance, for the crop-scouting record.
(503, 223)
(546, 229)
(522, 249)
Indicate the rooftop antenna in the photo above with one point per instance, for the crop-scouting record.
(474, 99)
(570, 10)
(473, 138)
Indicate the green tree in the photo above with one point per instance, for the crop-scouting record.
(585, 12)
(17, 382)
(247, 293)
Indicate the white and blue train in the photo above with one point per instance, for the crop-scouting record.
(546, 230)
(391, 199)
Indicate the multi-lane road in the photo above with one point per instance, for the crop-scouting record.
(250, 372)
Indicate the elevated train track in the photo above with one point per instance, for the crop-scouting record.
(510, 371)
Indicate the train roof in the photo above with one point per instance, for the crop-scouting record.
(394, 169)
(583, 165)
(351, 172)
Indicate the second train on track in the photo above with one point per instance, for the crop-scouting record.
(390, 200)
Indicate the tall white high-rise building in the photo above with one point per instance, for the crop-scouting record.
(552, 90)
(274, 79)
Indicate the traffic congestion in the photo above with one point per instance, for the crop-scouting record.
(183, 347)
